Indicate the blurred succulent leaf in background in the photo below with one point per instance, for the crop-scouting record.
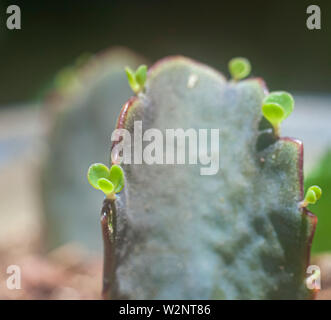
(81, 119)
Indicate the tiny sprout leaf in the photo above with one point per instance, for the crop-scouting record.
(132, 79)
(313, 194)
(283, 99)
(117, 177)
(141, 75)
(239, 68)
(310, 197)
(317, 190)
(273, 112)
(95, 172)
(105, 186)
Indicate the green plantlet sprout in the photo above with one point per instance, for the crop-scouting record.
(141, 75)
(312, 195)
(108, 181)
(137, 78)
(106, 186)
(276, 107)
(239, 68)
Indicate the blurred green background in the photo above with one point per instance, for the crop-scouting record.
(272, 34)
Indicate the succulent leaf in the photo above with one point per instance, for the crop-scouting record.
(105, 186)
(283, 99)
(239, 68)
(223, 242)
(276, 107)
(132, 79)
(95, 172)
(317, 190)
(313, 194)
(311, 197)
(137, 79)
(273, 112)
(141, 75)
(116, 176)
